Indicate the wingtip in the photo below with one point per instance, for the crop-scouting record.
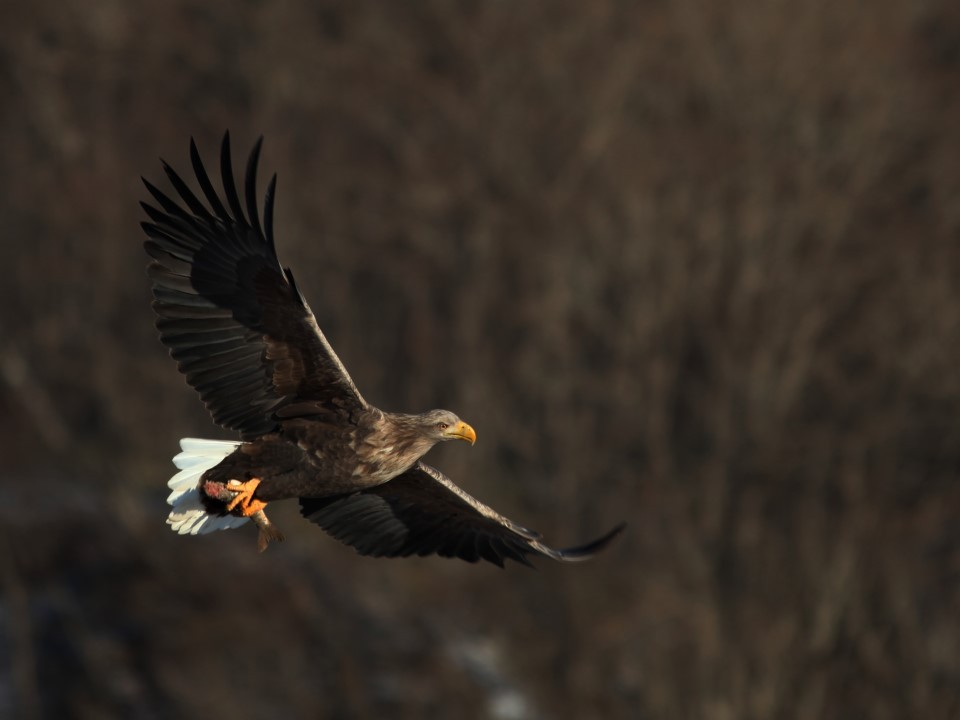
(250, 186)
(194, 153)
(587, 550)
(268, 211)
(226, 156)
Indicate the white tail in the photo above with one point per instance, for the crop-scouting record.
(188, 516)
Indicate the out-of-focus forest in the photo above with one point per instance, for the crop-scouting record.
(693, 265)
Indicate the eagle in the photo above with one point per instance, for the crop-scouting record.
(245, 338)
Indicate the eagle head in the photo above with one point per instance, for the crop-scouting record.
(445, 425)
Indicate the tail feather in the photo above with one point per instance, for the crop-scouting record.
(189, 516)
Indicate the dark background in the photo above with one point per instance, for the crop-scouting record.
(694, 265)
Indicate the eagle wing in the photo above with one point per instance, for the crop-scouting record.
(231, 315)
(422, 512)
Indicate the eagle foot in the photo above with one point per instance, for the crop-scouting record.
(243, 499)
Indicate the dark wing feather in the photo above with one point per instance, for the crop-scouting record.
(422, 512)
(231, 315)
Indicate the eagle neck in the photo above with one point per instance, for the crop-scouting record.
(405, 435)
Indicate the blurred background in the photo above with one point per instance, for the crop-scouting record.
(692, 265)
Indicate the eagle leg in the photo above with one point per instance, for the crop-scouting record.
(243, 500)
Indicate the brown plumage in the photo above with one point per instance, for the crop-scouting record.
(236, 323)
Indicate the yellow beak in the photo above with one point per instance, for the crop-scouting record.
(462, 431)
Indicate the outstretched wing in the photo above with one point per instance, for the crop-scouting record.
(422, 512)
(231, 315)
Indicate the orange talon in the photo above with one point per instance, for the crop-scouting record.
(244, 497)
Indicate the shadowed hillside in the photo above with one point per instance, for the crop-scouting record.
(692, 266)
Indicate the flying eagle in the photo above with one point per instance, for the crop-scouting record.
(244, 336)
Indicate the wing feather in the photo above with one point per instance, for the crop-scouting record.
(205, 185)
(196, 207)
(226, 176)
(422, 512)
(251, 187)
(228, 311)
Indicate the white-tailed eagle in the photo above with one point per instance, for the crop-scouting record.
(247, 341)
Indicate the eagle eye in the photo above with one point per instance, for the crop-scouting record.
(442, 426)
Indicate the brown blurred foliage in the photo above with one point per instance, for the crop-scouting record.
(694, 265)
